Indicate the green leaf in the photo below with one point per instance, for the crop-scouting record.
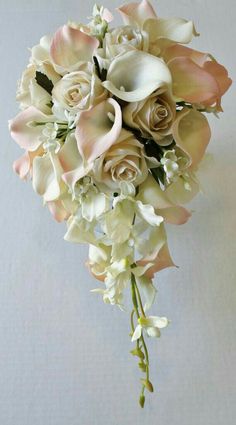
(44, 82)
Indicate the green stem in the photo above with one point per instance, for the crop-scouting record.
(137, 303)
(140, 300)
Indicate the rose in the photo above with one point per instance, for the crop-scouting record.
(79, 90)
(124, 38)
(124, 161)
(153, 116)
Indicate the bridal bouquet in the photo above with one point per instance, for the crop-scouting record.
(113, 128)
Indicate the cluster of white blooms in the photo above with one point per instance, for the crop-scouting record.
(113, 130)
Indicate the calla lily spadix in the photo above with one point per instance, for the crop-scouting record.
(114, 129)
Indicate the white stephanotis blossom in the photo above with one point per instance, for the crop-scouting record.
(152, 326)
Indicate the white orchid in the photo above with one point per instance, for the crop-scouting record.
(151, 325)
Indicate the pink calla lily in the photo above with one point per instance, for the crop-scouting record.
(196, 78)
(151, 193)
(26, 130)
(137, 13)
(98, 128)
(70, 47)
(192, 134)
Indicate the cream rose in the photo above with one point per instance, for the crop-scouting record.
(125, 38)
(124, 161)
(79, 90)
(153, 116)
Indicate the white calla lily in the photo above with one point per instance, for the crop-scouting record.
(47, 173)
(134, 75)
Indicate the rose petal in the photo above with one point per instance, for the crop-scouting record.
(134, 75)
(70, 47)
(192, 134)
(25, 132)
(191, 82)
(98, 128)
(136, 13)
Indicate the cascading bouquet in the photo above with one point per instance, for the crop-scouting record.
(113, 130)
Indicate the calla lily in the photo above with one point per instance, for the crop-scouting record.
(192, 133)
(26, 130)
(160, 261)
(151, 193)
(98, 128)
(174, 30)
(72, 162)
(23, 165)
(47, 173)
(70, 47)
(62, 208)
(196, 78)
(178, 193)
(134, 75)
(137, 13)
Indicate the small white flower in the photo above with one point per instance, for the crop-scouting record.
(151, 325)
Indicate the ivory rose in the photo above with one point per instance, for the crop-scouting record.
(79, 90)
(153, 116)
(121, 39)
(124, 161)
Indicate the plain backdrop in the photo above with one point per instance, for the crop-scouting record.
(64, 356)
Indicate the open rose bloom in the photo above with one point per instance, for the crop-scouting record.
(113, 127)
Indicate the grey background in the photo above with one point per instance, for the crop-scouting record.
(64, 356)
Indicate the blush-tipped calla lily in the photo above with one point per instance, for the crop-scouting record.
(151, 193)
(72, 162)
(23, 165)
(98, 128)
(196, 78)
(136, 13)
(192, 133)
(26, 130)
(70, 47)
(175, 30)
(134, 75)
